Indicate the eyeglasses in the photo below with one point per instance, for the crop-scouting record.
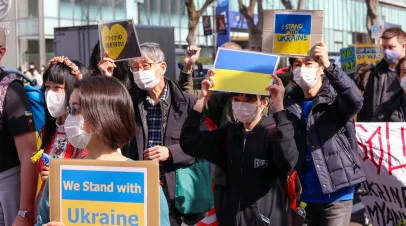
(144, 66)
(73, 110)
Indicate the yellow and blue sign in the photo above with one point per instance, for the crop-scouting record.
(243, 71)
(89, 192)
(292, 33)
(98, 197)
(348, 59)
(371, 53)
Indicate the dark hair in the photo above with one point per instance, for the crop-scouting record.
(59, 73)
(249, 95)
(399, 65)
(121, 72)
(106, 104)
(395, 32)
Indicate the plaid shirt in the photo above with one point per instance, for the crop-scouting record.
(154, 120)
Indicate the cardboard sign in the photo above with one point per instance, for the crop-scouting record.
(207, 25)
(243, 71)
(89, 192)
(119, 39)
(291, 32)
(382, 154)
(348, 59)
(221, 26)
(368, 53)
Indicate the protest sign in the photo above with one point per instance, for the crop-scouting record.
(207, 25)
(243, 71)
(221, 26)
(368, 53)
(89, 192)
(291, 32)
(119, 39)
(382, 153)
(348, 59)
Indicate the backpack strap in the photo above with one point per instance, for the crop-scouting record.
(4, 83)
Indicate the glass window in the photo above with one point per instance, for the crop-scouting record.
(27, 8)
(49, 25)
(65, 9)
(29, 52)
(80, 9)
(49, 49)
(51, 8)
(28, 27)
(107, 12)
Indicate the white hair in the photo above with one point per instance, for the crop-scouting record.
(152, 51)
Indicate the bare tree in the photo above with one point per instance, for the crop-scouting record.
(372, 16)
(288, 4)
(254, 30)
(301, 4)
(194, 16)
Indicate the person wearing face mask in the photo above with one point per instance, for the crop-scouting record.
(322, 107)
(160, 111)
(101, 117)
(394, 110)
(253, 152)
(60, 78)
(383, 81)
(218, 110)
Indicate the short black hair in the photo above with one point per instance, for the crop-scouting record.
(106, 104)
(59, 73)
(262, 97)
(121, 72)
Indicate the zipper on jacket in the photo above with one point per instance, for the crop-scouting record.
(345, 149)
(242, 163)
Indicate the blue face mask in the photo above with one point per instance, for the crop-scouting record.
(391, 56)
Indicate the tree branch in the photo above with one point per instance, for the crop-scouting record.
(204, 7)
(287, 4)
(301, 4)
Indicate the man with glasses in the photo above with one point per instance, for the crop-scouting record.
(161, 109)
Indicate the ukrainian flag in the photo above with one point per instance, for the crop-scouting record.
(243, 71)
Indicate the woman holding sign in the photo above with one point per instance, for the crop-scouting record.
(253, 153)
(101, 117)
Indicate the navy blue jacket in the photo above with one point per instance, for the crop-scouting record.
(329, 130)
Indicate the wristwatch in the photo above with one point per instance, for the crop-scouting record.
(27, 215)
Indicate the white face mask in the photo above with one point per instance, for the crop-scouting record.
(403, 83)
(74, 131)
(305, 77)
(245, 112)
(146, 80)
(55, 103)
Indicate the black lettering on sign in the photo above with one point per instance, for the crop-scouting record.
(383, 215)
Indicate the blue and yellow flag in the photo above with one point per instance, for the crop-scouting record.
(243, 71)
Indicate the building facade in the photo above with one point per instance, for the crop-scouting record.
(30, 23)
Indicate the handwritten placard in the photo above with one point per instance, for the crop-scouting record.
(368, 53)
(119, 39)
(348, 59)
(382, 153)
(291, 32)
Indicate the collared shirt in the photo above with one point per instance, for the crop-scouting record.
(154, 120)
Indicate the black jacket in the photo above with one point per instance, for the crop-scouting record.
(393, 110)
(382, 85)
(252, 165)
(330, 130)
(174, 111)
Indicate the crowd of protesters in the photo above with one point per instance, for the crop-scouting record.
(131, 111)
